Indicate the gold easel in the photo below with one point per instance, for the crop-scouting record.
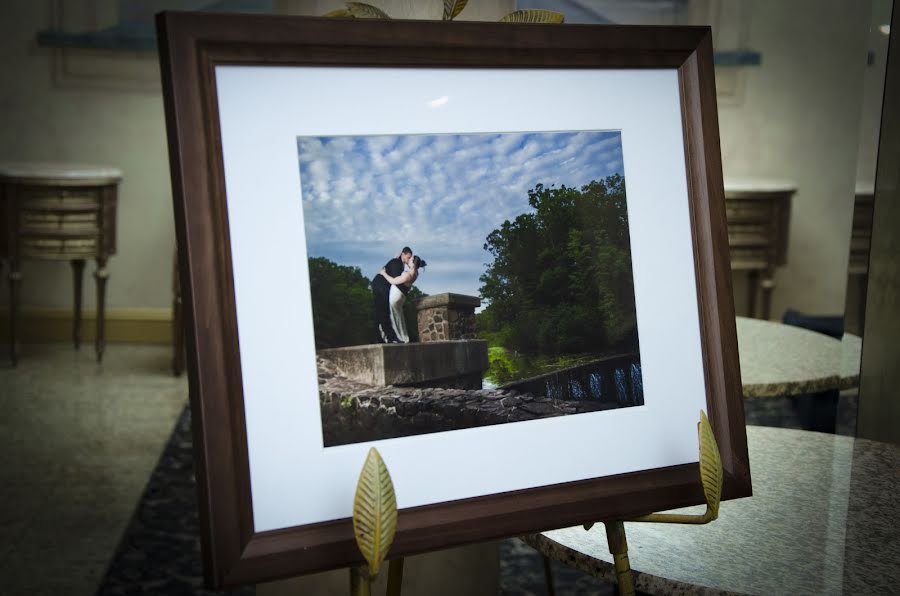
(375, 520)
(710, 479)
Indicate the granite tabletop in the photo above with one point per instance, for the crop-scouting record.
(778, 359)
(822, 520)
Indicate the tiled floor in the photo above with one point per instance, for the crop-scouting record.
(78, 441)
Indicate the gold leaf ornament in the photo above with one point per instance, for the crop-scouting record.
(374, 511)
(533, 16)
(710, 466)
(341, 13)
(710, 478)
(361, 10)
(452, 8)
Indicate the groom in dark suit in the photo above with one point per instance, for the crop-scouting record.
(381, 288)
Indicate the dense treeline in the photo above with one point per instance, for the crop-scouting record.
(342, 305)
(561, 277)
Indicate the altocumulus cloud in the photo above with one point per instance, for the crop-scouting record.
(364, 198)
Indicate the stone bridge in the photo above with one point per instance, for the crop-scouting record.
(384, 391)
(354, 412)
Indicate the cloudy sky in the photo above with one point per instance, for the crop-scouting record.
(364, 198)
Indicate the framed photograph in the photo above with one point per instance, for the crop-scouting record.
(496, 252)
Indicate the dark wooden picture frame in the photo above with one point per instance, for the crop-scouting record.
(191, 46)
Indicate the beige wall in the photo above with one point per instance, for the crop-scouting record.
(106, 108)
(797, 117)
(90, 107)
(873, 92)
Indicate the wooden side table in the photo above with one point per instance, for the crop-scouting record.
(58, 212)
(759, 214)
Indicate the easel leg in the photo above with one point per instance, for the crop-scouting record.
(359, 585)
(618, 547)
(395, 577)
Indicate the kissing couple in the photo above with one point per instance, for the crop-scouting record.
(390, 287)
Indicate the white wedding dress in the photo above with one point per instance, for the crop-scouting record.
(398, 321)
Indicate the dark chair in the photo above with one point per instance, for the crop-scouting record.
(832, 326)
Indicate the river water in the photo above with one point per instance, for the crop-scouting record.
(597, 377)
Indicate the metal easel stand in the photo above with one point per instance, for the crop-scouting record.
(375, 520)
(710, 478)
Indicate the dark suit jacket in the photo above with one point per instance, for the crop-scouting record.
(394, 268)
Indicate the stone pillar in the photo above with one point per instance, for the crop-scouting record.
(448, 316)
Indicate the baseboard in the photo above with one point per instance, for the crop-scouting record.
(123, 325)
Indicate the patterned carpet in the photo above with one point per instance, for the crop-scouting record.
(160, 551)
(522, 574)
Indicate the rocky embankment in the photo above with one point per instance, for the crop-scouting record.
(353, 412)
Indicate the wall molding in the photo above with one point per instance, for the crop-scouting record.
(123, 325)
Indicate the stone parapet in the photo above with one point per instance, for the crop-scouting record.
(447, 316)
(457, 364)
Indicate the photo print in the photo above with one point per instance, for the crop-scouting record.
(465, 280)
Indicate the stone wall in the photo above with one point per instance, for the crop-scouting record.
(458, 364)
(354, 412)
(443, 317)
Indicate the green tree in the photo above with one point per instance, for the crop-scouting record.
(561, 280)
(341, 303)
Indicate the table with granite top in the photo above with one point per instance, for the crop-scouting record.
(792, 376)
(822, 520)
(778, 360)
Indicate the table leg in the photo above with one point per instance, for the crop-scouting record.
(767, 285)
(752, 288)
(101, 275)
(15, 282)
(77, 275)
